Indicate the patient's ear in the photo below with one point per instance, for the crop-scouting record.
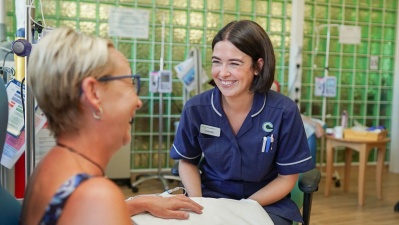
(91, 91)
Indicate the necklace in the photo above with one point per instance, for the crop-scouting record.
(83, 156)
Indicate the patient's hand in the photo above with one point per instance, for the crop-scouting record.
(175, 207)
(319, 130)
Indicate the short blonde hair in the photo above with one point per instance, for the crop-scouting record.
(56, 69)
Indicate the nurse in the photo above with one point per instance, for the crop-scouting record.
(241, 139)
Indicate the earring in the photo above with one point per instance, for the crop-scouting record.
(97, 114)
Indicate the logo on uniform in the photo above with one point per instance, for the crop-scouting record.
(267, 127)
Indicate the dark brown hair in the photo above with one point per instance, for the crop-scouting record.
(251, 39)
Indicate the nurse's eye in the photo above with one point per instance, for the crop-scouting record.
(235, 64)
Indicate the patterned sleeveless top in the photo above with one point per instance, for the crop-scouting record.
(58, 202)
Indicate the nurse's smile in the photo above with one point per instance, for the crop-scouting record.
(227, 83)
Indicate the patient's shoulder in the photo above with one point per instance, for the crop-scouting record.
(96, 201)
(98, 188)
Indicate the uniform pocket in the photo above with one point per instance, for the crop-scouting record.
(217, 154)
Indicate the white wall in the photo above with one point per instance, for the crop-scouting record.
(394, 156)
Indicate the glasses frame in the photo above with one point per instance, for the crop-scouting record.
(135, 78)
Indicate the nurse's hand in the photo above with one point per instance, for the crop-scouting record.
(175, 207)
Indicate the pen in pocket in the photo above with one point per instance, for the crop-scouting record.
(267, 143)
(272, 142)
(264, 144)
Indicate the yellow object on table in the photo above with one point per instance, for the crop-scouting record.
(356, 135)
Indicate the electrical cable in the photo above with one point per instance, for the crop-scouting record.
(313, 65)
(22, 98)
(4, 65)
(316, 33)
(41, 10)
(4, 49)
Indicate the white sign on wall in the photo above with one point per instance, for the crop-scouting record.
(130, 23)
(326, 86)
(349, 34)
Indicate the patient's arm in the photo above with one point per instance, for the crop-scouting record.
(190, 176)
(319, 130)
(275, 190)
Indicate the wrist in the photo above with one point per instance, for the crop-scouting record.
(138, 204)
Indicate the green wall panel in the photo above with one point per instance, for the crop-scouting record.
(365, 93)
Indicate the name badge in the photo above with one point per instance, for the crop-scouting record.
(209, 130)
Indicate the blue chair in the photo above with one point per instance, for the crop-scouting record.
(312, 142)
(307, 183)
(10, 208)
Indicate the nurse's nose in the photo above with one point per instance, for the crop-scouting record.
(224, 72)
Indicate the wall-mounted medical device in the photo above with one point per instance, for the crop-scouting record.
(161, 81)
(21, 47)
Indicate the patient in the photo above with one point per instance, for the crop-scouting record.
(83, 86)
(251, 140)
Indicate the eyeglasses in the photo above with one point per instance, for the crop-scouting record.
(135, 80)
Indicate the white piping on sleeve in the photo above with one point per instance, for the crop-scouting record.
(293, 163)
(174, 147)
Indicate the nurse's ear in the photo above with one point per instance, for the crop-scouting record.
(259, 66)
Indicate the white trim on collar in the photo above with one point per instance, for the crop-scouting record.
(253, 115)
(214, 108)
(261, 109)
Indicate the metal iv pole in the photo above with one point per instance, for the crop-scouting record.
(162, 177)
(324, 104)
(29, 107)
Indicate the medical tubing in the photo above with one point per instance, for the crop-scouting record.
(163, 194)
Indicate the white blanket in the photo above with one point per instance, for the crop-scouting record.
(216, 212)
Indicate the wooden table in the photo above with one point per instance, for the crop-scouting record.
(364, 148)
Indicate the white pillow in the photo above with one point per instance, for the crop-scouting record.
(217, 211)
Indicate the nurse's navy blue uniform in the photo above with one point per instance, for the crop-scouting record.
(271, 141)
